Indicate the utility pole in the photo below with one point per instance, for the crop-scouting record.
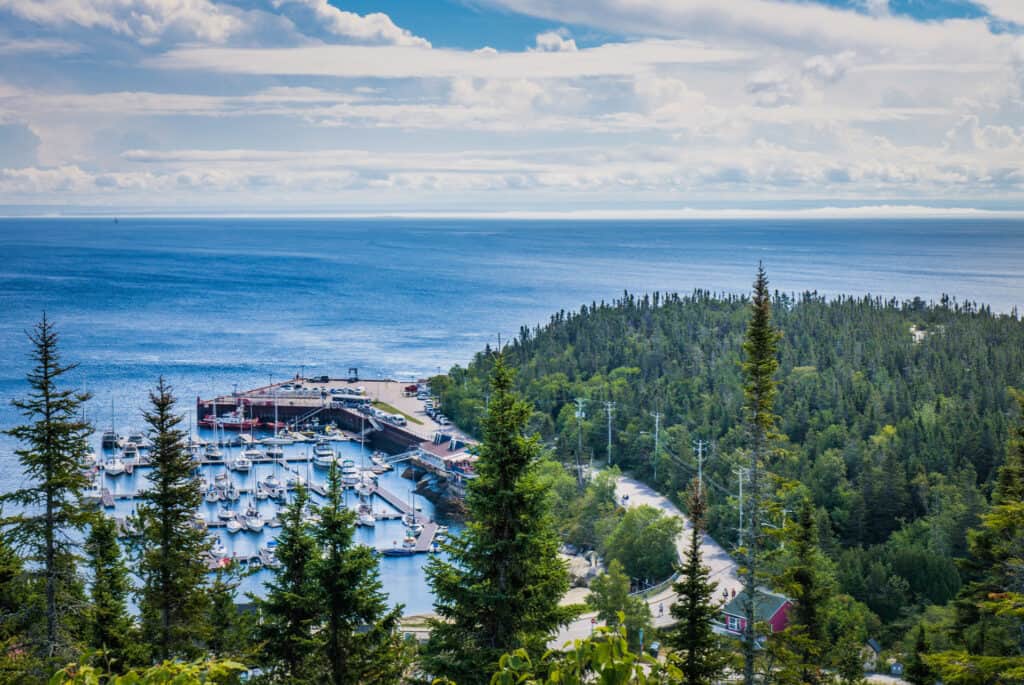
(581, 404)
(699, 445)
(742, 474)
(609, 406)
(657, 443)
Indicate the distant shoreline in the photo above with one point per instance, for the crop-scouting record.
(873, 212)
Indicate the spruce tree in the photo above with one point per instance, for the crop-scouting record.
(172, 599)
(289, 609)
(358, 636)
(990, 607)
(53, 444)
(15, 600)
(499, 590)
(807, 587)
(761, 350)
(698, 652)
(609, 595)
(228, 628)
(917, 671)
(109, 627)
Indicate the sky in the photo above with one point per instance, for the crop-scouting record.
(529, 106)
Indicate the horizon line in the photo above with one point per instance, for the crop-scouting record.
(681, 214)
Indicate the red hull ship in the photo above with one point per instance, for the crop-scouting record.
(232, 422)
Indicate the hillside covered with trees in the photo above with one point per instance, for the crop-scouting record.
(893, 416)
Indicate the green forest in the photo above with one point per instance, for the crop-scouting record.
(879, 446)
(893, 419)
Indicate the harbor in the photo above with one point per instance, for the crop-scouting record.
(250, 456)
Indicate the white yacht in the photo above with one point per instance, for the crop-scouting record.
(114, 466)
(254, 519)
(349, 472)
(241, 463)
(366, 519)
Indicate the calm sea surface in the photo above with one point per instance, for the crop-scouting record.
(211, 303)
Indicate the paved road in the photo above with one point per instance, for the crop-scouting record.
(718, 561)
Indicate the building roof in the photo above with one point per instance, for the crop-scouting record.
(766, 604)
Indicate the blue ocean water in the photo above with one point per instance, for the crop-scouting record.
(210, 303)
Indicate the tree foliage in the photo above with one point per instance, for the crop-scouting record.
(172, 598)
(609, 596)
(51, 517)
(499, 589)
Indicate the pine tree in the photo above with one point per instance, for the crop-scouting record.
(289, 610)
(609, 595)
(500, 588)
(15, 601)
(54, 442)
(698, 653)
(172, 599)
(805, 584)
(109, 625)
(917, 671)
(990, 607)
(229, 629)
(359, 638)
(759, 367)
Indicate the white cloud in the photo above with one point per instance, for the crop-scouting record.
(1007, 10)
(376, 27)
(355, 61)
(555, 41)
(144, 20)
(829, 68)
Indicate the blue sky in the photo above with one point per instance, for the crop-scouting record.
(474, 106)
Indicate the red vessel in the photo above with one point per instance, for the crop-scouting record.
(233, 421)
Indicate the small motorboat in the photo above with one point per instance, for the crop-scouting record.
(130, 453)
(234, 526)
(212, 495)
(363, 489)
(366, 519)
(212, 452)
(409, 542)
(110, 440)
(94, 493)
(218, 548)
(397, 552)
(225, 514)
(140, 440)
(241, 463)
(199, 521)
(414, 530)
(254, 454)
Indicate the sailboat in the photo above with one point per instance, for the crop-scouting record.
(253, 519)
(114, 466)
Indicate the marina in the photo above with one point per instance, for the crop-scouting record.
(248, 478)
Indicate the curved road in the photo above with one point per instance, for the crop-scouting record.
(721, 565)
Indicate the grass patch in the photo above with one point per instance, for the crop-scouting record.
(384, 406)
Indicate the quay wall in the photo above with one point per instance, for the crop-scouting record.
(390, 438)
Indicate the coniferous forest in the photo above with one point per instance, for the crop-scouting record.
(880, 445)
